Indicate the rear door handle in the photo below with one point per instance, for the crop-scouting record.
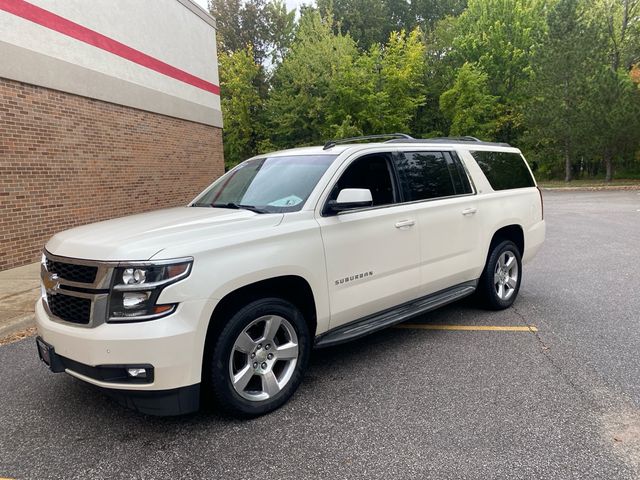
(405, 224)
(469, 211)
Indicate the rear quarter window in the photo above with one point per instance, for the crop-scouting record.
(504, 170)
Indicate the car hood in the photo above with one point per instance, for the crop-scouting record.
(142, 236)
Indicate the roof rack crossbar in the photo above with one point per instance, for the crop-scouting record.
(333, 143)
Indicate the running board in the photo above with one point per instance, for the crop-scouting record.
(395, 315)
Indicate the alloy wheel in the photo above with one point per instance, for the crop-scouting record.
(263, 358)
(505, 276)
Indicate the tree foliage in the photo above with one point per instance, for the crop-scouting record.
(241, 104)
(559, 78)
(469, 106)
(265, 26)
(326, 87)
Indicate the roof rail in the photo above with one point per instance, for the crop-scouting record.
(333, 143)
(459, 140)
(464, 138)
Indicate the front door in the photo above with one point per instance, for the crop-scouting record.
(372, 254)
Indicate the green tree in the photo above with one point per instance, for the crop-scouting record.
(615, 109)
(266, 26)
(469, 106)
(241, 105)
(326, 88)
(615, 114)
(558, 113)
(500, 36)
(427, 13)
(371, 22)
(303, 95)
(383, 90)
(619, 22)
(368, 22)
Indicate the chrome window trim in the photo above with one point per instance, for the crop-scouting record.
(457, 159)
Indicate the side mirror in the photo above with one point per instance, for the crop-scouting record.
(351, 198)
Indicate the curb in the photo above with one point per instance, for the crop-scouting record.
(16, 325)
(591, 189)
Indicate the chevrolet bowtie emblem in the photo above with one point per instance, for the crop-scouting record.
(51, 282)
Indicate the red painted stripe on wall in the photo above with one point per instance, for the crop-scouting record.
(50, 20)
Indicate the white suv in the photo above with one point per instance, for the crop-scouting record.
(223, 299)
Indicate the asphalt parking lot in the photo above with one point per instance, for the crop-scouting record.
(562, 402)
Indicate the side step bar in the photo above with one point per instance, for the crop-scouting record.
(395, 315)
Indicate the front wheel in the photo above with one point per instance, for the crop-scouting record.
(259, 358)
(499, 284)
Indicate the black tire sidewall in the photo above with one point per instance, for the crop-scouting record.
(219, 381)
(486, 288)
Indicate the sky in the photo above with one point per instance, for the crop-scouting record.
(290, 3)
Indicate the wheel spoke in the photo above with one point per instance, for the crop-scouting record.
(501, 261)
(501, 291)
(496, 278)
(510, 259)
(244, 343)
(271, 326)
(512, 282)
(241, 379)
(270, 383)
(287, 351)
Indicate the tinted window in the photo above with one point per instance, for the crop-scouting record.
(425, 175)
(272, 184)
(504, 170)
(459, 176)
(370, 172)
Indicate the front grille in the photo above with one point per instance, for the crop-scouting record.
(70, 309)
(73, 272)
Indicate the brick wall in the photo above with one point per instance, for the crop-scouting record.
(67, 160)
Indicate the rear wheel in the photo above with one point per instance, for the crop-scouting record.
(499, 284)
(259, 357)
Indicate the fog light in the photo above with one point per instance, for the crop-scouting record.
(134, 299)
(137, 372)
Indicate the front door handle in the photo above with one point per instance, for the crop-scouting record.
(405, 224)
(469, 211)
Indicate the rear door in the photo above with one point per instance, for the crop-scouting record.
(437, 185)
(372, 254)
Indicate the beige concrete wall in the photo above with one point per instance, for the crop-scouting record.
(174, 32)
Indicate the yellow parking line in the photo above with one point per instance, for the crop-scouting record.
(471, 328)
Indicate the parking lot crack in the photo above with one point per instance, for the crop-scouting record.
(546, 353)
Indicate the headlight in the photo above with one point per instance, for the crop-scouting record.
(136, 289)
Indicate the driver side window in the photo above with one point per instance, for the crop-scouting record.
(372, 172)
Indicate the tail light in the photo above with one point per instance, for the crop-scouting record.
(541, 202)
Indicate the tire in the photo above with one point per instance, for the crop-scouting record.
(499, 284)
(265, 348)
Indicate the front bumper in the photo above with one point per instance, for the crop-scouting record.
(173, 346)
(177, 401)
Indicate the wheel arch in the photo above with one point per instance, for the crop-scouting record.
(513, 232)
(292, 288)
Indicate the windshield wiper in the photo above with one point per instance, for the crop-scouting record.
(237, 206)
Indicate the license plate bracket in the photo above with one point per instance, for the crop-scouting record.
(48, 355)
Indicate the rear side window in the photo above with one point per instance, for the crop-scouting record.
(504, 170)
(428, 175)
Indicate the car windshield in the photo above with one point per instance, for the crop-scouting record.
(267, 185)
